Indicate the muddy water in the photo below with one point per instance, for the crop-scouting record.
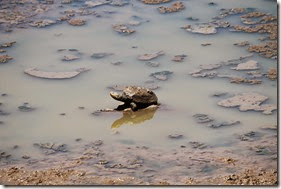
(181, 96)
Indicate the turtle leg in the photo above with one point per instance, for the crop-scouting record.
(134, 106)
(122, 106)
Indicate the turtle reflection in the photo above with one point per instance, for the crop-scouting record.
(131, 117)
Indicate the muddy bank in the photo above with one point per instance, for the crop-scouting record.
(57, 176)
(251, 162)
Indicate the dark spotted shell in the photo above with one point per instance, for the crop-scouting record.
(140, 95)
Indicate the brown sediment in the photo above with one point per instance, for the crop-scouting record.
(5, 58)
(262, 18)
(242, 43)
(76, 22)
(123, 29)
(268, 49)
(175, 7)
(270, 28)
(272, 74)
(253, 14)
(62, 176)
(239, 80)
(155, 1)
(247, 177)
(8, 44)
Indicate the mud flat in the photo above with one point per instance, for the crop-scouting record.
(192, 163)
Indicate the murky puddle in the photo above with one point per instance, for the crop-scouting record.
(65, 110)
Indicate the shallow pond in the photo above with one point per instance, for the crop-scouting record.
(181, 96)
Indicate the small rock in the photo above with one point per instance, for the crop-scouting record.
(62, 114)
(76, 22)
(242, 44)
(96, 113)
(134, 23)
(66, 1)
(198, 145)
(219, 94)
(263, 150)
(73, 50)
(152, 64)
(250, 136)
(54, 75)
(60, 50)
(42, 23)
(70, 57)
(239, 80)
(175, 136)
(255, 74)
(201, 29)
(92, 4)
(192, 18)
(5, 58)
(209, 74)
(119, 3)
(78, 139)
(51, 148)
(248, 101)
(206, 44)
(272, 74)
(209, 66)
(4, 155)
(97, 143)
(223, 124)
(154, 2)
(123, 29)
(25, 157)
(163, 75)
(202, 118)
(212, 4)
(26, 108)
(249, 65)
(101, 55)
(103, 162)
(269, 127)
(267, 50)
(150, 56)
(8, 44)
(237, 60)
(175, 7)
(3, 113)
(116, 63)
(233, 11)
(81, 107)
(179, 58)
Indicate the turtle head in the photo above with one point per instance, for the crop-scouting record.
(118, 96)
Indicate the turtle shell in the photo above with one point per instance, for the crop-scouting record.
(140, 95)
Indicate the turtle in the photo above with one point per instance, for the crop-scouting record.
(135, 97)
